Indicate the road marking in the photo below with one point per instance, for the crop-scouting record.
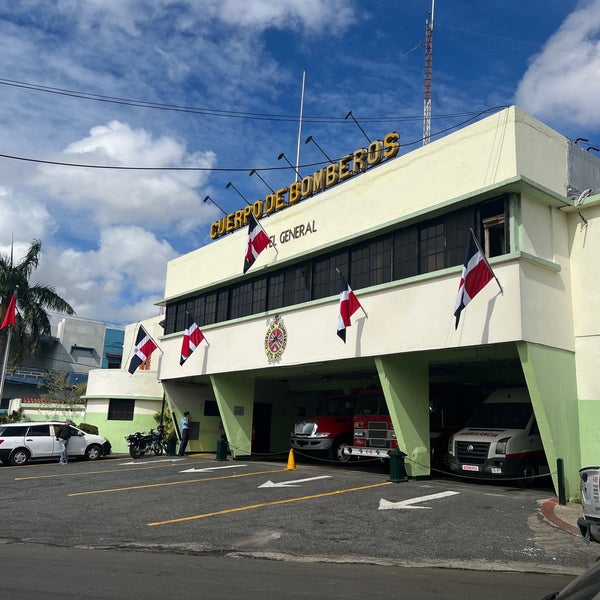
(155, 485)
(69, 473)
(192, 470)
(264, 504)
(149, 462)
(294, 483)
(386, 504)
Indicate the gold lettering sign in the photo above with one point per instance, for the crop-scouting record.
(348, 166)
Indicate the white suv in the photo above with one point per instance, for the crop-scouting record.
(22, 442)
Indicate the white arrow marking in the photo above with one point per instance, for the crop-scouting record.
(149, 462)
(387, 505)
(211, 469)
(270, 484)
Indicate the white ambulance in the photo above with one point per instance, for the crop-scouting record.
(500, 440)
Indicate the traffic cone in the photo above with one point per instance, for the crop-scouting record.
(291, 466)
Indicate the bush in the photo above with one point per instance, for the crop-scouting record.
(87, 428)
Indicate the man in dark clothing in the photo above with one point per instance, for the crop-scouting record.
(63, 435)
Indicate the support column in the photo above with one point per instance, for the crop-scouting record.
(551, 381)
(235, 397)
(405, 384)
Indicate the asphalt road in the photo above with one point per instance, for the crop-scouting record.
(200, 507)
(56, 573)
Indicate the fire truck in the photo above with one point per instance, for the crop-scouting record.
(327, 432)
(373, 433)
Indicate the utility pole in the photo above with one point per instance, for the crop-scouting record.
(428, 75)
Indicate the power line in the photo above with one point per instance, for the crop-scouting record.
(232, 169)
(213, 112)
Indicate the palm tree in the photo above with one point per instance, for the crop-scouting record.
(32, 322)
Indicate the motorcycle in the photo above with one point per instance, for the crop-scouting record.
(140, 443)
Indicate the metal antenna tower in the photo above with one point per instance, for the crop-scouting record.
(428, 73)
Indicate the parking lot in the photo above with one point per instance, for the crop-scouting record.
(259, 508)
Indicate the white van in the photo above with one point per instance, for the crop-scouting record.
(22, 442)
(500, 440)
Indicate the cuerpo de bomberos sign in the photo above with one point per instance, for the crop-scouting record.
(346, 167)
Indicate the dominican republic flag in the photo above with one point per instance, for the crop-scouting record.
(144, 347)
(258, 240)
(192, 336)
(11, 312)
(476, 274)
(349, 304)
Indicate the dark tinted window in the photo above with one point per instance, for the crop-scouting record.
(422, 247)
(16, 431)
(39, 430)
(120, 409)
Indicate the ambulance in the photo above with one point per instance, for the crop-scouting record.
(501, 440)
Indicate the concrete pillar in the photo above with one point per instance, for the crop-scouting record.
(235, 397)
(551, 381)
(405, 384)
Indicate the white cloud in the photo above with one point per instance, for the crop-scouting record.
(108, 196)
(23, 217)
(563, 81)
(118, 281)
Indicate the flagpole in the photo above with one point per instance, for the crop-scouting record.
(300, 125)
(5, 362)
(485, 259)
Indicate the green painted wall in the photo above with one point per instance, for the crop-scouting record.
(235, 397)
(589, 431)
(551, 380)
(405, 383)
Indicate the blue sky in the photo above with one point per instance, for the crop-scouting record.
(227, 75)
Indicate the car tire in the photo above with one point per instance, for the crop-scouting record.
(19, 456)
(527, 473)
(336, 452)
(93, 452)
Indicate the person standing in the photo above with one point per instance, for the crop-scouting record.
(185, 433)
(63, 435)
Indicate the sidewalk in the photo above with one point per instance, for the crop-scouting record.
(562, 516)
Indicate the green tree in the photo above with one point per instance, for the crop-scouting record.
(61, 394)
(33, 301)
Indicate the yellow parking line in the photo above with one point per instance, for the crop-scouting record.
(71, 473)
(263, 504)
(154, 485)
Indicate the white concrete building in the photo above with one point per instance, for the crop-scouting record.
(396, 227)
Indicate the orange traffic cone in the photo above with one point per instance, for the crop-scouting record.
(291, 466)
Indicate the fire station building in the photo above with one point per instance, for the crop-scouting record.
(396, 226)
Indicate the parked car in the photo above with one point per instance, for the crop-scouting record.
(584, 587)
(22, 442)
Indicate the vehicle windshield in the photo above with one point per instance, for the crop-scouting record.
(501, 415)
(336, 406)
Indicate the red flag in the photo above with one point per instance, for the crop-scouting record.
(349, 304)
(11, 312)
(476, 274)
(144, 347)
(258, 240)
(192, 336)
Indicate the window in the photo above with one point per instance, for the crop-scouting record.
(432, 247)
(416, 249)
(39, 430)
(326, 279)
(297, 282)
(120, 409)
(241, 300)
(370, 263)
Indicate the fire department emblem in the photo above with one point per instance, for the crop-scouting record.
(275, 339)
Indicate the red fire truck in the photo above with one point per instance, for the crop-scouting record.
(327, 432)
(373, 435)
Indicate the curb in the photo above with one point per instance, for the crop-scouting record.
(548, 509)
